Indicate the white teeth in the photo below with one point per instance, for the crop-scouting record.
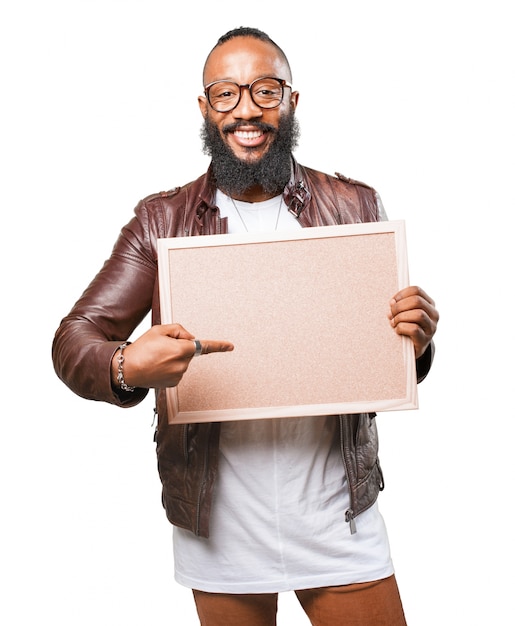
(248, 134)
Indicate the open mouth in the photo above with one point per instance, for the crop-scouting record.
(248, 135)
(249, 138)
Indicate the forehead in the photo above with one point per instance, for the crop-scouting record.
(243, 59)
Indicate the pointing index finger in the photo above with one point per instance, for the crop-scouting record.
(207, 346)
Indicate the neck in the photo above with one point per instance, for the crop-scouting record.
(253, 194)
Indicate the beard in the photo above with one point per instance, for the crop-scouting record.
(272, 172)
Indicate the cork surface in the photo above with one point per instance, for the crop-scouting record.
(307, 316)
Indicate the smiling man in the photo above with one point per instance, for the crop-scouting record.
(258, 506)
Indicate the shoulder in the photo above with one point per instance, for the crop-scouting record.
(160, 195)
(352, 181)
(353, 199)
(335, 179)
(171, 213)
(175, 195)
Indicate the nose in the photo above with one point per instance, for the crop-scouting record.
(246, 108)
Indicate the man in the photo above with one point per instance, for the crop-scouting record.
(258, 506)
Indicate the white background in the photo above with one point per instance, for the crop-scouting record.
(98, 110)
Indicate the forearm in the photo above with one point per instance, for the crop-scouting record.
(82, 359)
(113, 305)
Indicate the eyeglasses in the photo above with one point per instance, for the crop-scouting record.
(266, 93)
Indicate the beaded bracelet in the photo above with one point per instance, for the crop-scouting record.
(120, 379)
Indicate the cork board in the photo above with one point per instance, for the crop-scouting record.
(307, 313)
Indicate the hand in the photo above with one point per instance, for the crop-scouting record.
(413, 314)
(160, 357)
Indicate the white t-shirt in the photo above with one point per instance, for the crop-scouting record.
(278, 515)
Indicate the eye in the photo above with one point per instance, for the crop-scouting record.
(225, 94)
(223, 91)
(267, 89)
(263, 91)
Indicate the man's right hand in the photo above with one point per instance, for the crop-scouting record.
(160, 357)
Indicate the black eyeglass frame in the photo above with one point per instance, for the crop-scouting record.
(283, 83)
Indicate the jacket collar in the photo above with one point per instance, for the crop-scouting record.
(296, 194)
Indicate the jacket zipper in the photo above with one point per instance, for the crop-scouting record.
(349, 517)
(203, 481)
(185, 442)
(349, 513)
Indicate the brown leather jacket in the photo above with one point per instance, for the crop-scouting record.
(125, 289)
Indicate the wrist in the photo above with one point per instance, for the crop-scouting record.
(117, 369)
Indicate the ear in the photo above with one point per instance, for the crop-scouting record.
(203, 105)
(294, 99)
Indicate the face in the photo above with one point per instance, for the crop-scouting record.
(248, 131)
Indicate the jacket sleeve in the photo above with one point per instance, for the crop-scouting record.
(423, 363)
(106, 314)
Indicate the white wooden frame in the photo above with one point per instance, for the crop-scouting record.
(307, 311)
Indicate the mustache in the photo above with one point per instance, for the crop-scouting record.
(266, 128)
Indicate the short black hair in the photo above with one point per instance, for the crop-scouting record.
(245, 31)
(248, 31)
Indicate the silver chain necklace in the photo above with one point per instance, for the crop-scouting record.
(243, 221)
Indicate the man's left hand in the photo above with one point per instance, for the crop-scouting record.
(413, 314)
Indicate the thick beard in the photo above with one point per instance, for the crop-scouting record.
(272, 172)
